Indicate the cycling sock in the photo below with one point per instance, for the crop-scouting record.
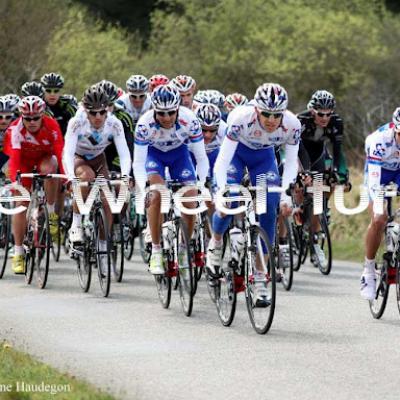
(156, 248)
(369, 266)
(76, 219)
(50, 208)
(19, 250)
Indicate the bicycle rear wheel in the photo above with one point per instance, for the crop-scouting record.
(84, 266)
(286, 271)
(257, 259)
(185, 268)
(5, 236)
(42, 243)
(378, 305)
(103, 254)
(324, 243)
(163, 283)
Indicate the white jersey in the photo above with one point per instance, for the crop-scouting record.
(244, 127)
(82, 139)
(125, 102)
(382, 151)
(219, 137)
(186, 130)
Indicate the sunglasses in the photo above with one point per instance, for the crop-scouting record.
(209, 130)
(94, 113)
(29, 119)
(165, 113)
(6, 117)
(267, 114)
(321, 114)
(137, 96)
(52, 90)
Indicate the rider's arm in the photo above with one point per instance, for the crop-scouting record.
(122, 148)
(290, 170)
(12, 147)
(139, 165)
(71, 140)
(337, 140)
(224, 158)
(58, 143)
(374, 153)
(202, 164)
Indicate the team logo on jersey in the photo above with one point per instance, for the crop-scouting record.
(151, 164)
(182, 122)
(186, 173)
(232, 169)
(379, 151)
(95, 138)
(45, 141)
(271, 176)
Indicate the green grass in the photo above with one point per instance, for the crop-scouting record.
(19, 367)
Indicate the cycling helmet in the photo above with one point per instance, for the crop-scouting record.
(200, 97)
(33, 89)
(184, 83)
(396, 119)
(271, 97)
(235, 99)
(157, 80)
(208, 115)
(137, 83)
(322, 100)
(31, 105)
(215, 97)
(110, 89)
(6, 106)
(165, 98)
(12, 101)
(95, 98)
(52, 80)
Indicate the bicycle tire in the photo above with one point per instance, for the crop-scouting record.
(118, 249)
(287, 278)
(163, 284)
(260, 242)
(44, 243)
(5, 236)
(56, 247)
(185, 277)
(104, 274)
(378, 305)
(30, 253)
(324, 241)
(84, 267)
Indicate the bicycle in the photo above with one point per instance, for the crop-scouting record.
(5, 232)
(37, 239)
(88, 254)
(177, 256)
(307, 241)
(240, 271)
(388, 266)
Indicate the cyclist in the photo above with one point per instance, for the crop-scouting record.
(233, 100)
(136, 101)
(85, 143)
(33, 140)
(8, 105)
(214, 97)
(252, 133)
(63, 107)
(161, 140)
(382, 149)
(321, 124)
(186, 86)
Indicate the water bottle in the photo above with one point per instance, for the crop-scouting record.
(392, 235)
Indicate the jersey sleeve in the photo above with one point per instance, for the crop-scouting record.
(71, 140)
(58, 143)
(374, 153)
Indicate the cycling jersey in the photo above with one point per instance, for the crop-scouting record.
(382, 158)
(244, 127)
(313, 152)
(151, 140)
(63, 111)
(27, 149)
(85, 141)
(125, 102)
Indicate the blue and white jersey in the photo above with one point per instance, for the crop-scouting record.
(125, 102)
(381, 148)
(244, 127)
(219, 137)
(187, 130)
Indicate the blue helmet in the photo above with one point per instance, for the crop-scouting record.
(165, 98)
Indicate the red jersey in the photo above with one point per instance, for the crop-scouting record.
(27, 149)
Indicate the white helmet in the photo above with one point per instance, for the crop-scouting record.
(165, 98)
(31, 105)
(396, 119)
(184, 83)
(208, 115)
(235, 99)
(271, 97)
(137, 83)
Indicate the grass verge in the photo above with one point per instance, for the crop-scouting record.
(24, 378)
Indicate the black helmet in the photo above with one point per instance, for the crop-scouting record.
(52, 80)
(322, 100)
(110, 89)
(95, 98)
(33, 89)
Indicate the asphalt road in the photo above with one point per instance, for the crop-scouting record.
(323, 344)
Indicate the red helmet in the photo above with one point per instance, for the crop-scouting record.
(31, 105)
(157, 80)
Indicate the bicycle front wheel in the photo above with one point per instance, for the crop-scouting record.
(84, 266)
(185, 268)
(5, 235)
(103, 251)
(378, 305)
(321, 250)
(42, 242)
(118, 247)
(260, 280)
